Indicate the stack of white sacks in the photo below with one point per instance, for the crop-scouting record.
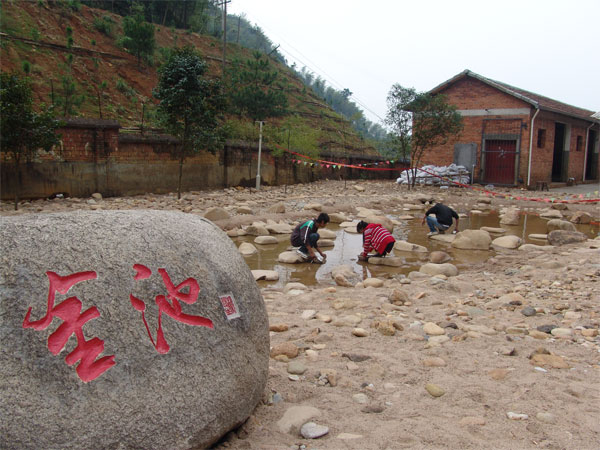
(429, 175)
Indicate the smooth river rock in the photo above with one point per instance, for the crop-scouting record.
(472, 240)
(559, 224)
(405, 246)
(507, 242)
(265, 240)
(564, 237)
(105, 377)
(432, 269)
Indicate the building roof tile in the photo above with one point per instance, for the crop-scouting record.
(538, 101)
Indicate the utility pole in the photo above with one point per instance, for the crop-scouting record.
(345, 154)
(224, 4)
(259, 153)
(286, 157)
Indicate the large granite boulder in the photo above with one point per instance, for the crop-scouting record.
(493, 230)
(337, 218)
(277, 208)
(534, 247)
(324, 233)
(268, 275)
(445, 238)
(279, 228)
(432, 269)
(564, 237)
(343, 275)
(265, 240)
(172, 347)
(509, 241)
(390, 261)
(439, 257)
(289, 257)
(382, 220)
(511, 217)
(551, 214)
(247, 249)
(559, 224)
(326, 243)
(217, 213)
(257, 230)
(581, 217)
(314, 206)
(404, 246)
(472, 240)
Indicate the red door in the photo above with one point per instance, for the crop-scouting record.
(500, 156)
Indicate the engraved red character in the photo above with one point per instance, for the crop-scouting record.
(73, 320)
(173, 310)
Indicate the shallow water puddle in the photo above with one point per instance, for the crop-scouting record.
(349, 245)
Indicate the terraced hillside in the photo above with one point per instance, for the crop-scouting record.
(34, 34)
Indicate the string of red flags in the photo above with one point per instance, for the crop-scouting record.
(383, 165)
(314, 162)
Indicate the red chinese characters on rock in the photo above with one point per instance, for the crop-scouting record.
(173, 309)
(69, 311)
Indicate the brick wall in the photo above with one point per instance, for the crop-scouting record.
(93, 157)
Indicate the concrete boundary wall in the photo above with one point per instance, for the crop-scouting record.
(94, 157)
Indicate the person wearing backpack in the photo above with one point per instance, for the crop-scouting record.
(305, 237)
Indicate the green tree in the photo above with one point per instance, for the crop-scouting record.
(254, 90)
(100, 88)
(295, 133)
(22, 130)
(191, 106)
(69, 100)
(138, 36)
(419, 121)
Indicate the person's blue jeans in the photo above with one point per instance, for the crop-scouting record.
(312, 240)
(434, 225)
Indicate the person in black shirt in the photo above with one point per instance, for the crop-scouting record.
(442, 219)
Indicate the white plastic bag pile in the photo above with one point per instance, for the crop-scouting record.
(427, 175)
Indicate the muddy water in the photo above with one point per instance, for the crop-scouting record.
(349, 245)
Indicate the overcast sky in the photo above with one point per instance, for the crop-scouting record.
(549, 47)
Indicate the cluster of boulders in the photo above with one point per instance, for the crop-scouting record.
(560, 232)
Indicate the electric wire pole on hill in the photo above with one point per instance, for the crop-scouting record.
(223, 3)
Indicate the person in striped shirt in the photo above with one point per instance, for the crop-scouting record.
(375, 238)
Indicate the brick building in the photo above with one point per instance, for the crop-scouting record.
(515, 137)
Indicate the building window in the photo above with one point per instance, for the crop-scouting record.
(579, 143)
(541, 141)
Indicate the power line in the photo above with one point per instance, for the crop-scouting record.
(341, 87)
(326, 76)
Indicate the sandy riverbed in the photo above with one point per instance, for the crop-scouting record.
(418, 362)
